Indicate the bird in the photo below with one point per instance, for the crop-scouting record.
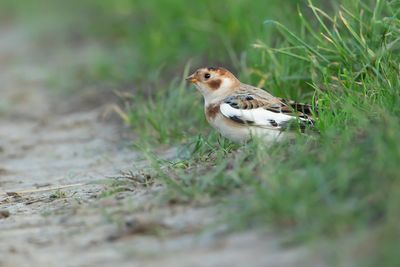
(240, 112)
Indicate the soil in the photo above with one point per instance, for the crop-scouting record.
(58, 163)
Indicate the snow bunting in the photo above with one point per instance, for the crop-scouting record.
(239, 111)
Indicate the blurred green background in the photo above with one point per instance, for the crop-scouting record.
(148, 42)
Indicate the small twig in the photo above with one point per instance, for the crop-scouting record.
(36, 190)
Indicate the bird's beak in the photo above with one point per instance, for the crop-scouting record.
(191, 79)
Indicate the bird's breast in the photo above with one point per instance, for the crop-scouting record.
(211, 112)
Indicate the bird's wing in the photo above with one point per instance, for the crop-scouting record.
(252, 107)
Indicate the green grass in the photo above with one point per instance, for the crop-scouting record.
(344, 186)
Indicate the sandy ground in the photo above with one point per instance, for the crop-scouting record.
(44, 147)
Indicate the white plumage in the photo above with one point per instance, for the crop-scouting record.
(257, 117)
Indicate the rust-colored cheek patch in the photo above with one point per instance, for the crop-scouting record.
(214, 84)
(212, 111)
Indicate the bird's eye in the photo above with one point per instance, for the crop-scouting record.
(207, 75)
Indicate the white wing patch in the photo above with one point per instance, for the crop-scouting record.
(259, 116)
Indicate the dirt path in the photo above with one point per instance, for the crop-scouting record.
(41, 148)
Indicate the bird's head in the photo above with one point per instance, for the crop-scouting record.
(214, 83)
